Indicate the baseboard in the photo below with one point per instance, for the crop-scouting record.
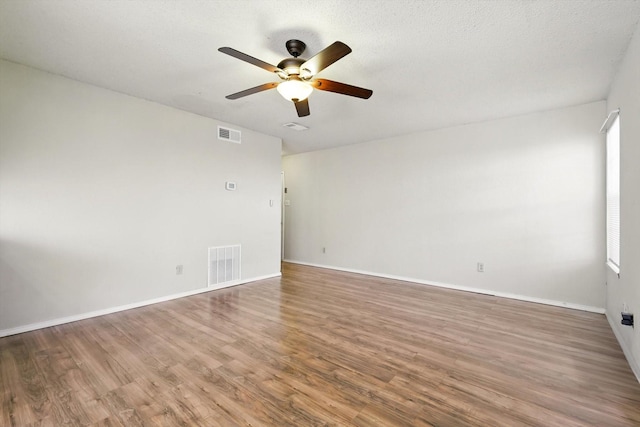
(110, 310)
(460, 288)
(633, 364)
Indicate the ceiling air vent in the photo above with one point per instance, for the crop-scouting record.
(230, 135)
(295, 126)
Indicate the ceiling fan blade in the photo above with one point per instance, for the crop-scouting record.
(325, 58)
(251, 91)
(343, 88)
(302, 107)
(250, 59)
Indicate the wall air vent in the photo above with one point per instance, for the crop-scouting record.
(224, 265)
(230, 135)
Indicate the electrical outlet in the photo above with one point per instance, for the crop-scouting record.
(324, 250)
(627, 319)
(178, 269)
(480, 267)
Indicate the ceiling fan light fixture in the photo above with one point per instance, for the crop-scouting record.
(294, 89)
(298, 74)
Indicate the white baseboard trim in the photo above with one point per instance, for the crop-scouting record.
(110, 310)
(633, 364)
(570, 305)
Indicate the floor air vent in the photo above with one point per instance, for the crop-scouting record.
(224, 265)
(230, 135)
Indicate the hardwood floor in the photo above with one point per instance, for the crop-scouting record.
(321, 347)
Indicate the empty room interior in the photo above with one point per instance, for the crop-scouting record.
(302, 213)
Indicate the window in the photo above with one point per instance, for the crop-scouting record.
(613, 194)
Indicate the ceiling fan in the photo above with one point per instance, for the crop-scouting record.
(297, 75)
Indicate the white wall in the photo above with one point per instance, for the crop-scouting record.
(102, 195)
(625, 94)
(523, 195)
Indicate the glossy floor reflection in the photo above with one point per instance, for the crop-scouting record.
(321, 347)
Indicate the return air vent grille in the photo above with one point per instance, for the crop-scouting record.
(230, 135)
(224, 265)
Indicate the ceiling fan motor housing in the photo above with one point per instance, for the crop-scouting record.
(291, 65)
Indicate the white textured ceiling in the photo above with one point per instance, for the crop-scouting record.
(430, 64)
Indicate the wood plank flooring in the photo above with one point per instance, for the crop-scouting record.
(321, 347)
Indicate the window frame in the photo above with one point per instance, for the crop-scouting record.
(613, 190)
